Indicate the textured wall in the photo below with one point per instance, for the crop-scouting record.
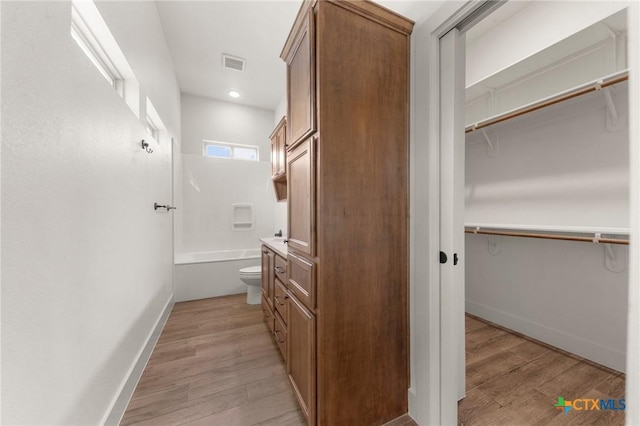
(211, 185)
(87, 261)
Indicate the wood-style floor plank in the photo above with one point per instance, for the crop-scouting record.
(216, 364)
(516, 381)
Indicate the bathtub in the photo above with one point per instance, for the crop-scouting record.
(210, 274)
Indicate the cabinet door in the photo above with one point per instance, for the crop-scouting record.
(281, 150)
(274, 156)
(301, 197)
(301, 83)
(301, 356)
(278, 148)
(267, 276)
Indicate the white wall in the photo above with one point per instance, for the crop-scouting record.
(87, 262)
(211, 186)
(557, 166)
(521, 35)
(210, 119)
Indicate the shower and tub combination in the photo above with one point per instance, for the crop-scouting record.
(218, 273)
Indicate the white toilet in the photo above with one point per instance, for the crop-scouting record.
(251, 276)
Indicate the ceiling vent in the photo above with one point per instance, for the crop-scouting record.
(233, 62)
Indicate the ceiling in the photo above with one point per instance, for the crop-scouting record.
(199, 32)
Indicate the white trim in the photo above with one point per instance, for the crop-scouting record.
(588, 349)
(119, 404)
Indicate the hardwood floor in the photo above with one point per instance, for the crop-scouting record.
(513, 380)
(217, 364)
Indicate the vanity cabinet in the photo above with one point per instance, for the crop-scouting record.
(347, 182)
(275, 296)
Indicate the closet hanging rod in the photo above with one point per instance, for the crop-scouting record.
(561, 97)
(595, 239)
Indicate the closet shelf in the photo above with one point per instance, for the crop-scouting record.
(582, 234)
(583, 89)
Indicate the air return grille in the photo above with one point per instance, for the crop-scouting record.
(232, 62)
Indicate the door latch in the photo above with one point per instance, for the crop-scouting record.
(455, 259)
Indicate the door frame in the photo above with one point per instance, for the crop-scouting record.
(428, 404)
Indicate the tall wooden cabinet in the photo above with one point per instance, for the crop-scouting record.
(347, 172)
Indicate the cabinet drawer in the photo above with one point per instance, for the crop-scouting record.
(280, 334)
(268, 314)
(280, 269)
(280, 300)
(302, 280)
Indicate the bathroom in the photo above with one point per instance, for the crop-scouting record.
(227, 204)
(91, 270)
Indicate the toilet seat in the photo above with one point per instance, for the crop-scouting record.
(251, 271)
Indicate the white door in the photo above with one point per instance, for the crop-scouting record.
(452, 149)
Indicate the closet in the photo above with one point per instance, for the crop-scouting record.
(546, 195)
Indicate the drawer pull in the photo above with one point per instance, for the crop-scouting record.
(278, 337)
(280, 270)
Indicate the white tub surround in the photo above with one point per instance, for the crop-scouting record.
(211, 274)
(276, 244)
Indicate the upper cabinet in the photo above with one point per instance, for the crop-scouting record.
(300, 81)
(278, 148)
(278, 159)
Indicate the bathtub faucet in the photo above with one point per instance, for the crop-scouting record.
(278, 234)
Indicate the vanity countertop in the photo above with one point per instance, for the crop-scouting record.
(276, 244)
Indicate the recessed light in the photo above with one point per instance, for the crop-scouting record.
(234, 93)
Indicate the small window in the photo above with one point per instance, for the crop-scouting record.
(152, 128)
(230, 150)
(81, 33)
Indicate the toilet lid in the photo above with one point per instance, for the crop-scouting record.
(251, 270)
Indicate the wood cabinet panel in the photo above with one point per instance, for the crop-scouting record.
(301, 279)
(301, 197)
(268, 314)
(280, 299)
(301, 83)
(280, 334)
(267, 275)
(280, 269)
(301, 356)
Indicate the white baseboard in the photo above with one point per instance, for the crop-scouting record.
(576, 345)
(120, 403)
